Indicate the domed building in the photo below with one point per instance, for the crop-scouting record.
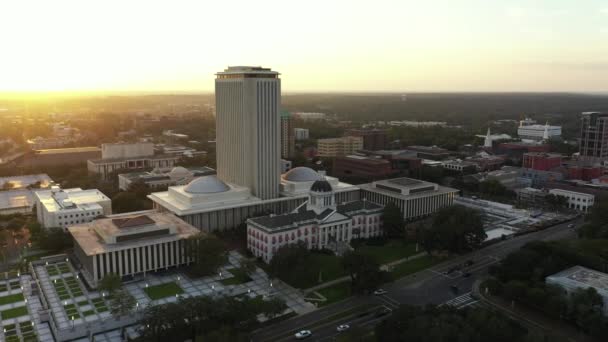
(160, 178)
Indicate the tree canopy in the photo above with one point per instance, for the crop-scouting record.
(392, 220)
(364, 272)
(208, 253)
(455, 229)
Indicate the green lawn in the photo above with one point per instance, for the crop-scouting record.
(18, 297)
(335, 293)
(163, 290)
(240, 277)
(413, 266)
(12, 313)
(394, 249)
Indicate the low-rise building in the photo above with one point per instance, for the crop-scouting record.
(531, 196)
(580, 278)
(58, 207)
(319, 223)
(414, 197)
(576, 200)
(538, 132)
(130, 244)
(17, 195)
(335, 147)
(538, 178)
(361, 167)
(430, 152)
(122, 156)
(301, 133)
(58, 157)
(541, 161)
(162, 178)
(461, 166)
(373, 138)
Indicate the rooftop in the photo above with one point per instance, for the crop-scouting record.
(69, 150)
(579, 276)
(61, 199)
(15, 199)
(18, 182)
(129, 230)
(117, 160)
(243, 69)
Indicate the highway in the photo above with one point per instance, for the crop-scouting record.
(429, 286)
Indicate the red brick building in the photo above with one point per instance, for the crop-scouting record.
(373, 138)
(541, 161)
(361, 167)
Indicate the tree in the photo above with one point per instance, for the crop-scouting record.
(455, 229)
(364, 272)
(392, 220)
(110, 283)
(54, 239)
(248, 266)
(273, 307)
(556, 202)
(126, 201)
(208, 254)
(293, 264)
(121, 303)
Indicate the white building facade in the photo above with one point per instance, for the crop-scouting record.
(576, 200)
(301, 133)
(539, 132)
(130, 244)
(319, 223)
(415, 198)
(65, 207)
(248, 142)
(579, 278)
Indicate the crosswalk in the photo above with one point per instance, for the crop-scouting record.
(461, 301)
(389, 301)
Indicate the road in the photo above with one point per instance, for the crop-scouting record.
(430, 286)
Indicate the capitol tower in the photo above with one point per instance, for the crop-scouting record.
(248, 146)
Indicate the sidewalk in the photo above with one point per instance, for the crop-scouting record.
(530, 317)
(384, 267)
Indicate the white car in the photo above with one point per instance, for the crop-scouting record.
(300, 335)
(379, 292)
(343, 327)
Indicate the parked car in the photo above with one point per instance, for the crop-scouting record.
(379, 292)
(302, 334)
(343, 327)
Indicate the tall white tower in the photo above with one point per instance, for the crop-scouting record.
(488, 141)
(248, 141)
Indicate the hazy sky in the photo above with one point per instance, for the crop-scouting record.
(317, 45)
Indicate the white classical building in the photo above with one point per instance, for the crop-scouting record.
(130, 244)
(414, 197)
(576, 200)
(319, 223)
(65, 207)
(210, 204)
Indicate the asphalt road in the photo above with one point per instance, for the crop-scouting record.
(430, 286)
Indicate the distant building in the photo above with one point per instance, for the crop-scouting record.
(287, 135)
(41, 180)
(430, 152)
(40, 143)
(310, 116)
(415, 198)
(541, 161)
(594, 136)
(130, 244)
(301, 133)
(403, 162)
(18, 192)
(319, 223)
(285, 165)
(531, 196)
(65, 207)
(59, 157)
(580, 278)
(162, 178)
(373, 138)
(583, 171)
(538, 132)
(538, 178)
(123, 156)
(179, 150)
(576, 200)
(507, 176)
(362, 167)
(335, 147)
(460, 166)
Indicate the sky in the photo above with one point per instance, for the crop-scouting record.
(317, 45)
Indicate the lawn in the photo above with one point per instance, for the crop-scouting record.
(163, 290)
(330, 267)
(18, 297)
(394, 249)
(239, 277)
(12, 313)
(413, 266)
(335, 293)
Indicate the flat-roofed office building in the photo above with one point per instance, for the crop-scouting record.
(414, 197)
(130, 244)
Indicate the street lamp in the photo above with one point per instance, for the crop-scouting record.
(72, 322)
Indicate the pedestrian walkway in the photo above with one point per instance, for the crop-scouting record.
(462, 301)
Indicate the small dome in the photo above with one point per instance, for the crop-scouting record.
(206, 185)
(301, 174)
(321, 185)
(179, 172)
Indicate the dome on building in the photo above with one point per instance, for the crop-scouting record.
(179, 172)
(206, 185)
(301, 174)
(321, 185)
